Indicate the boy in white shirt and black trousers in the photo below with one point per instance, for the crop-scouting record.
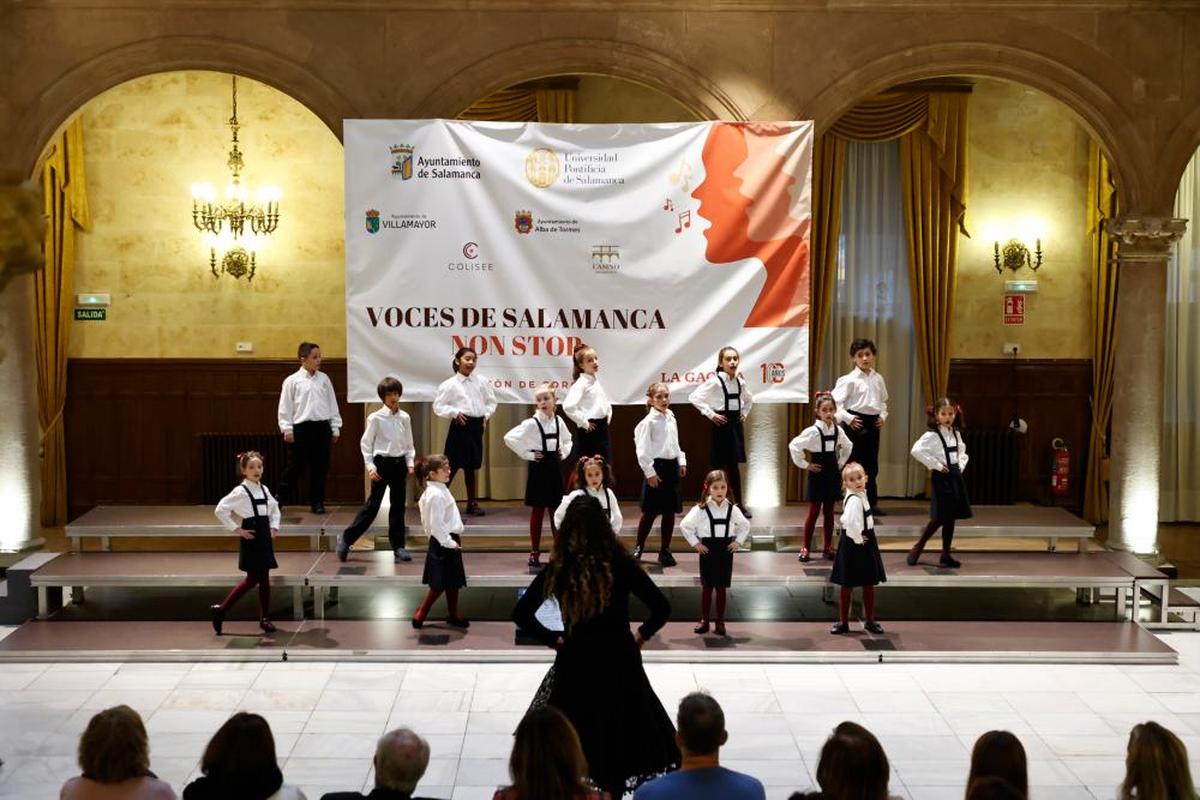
(389, 455)
(861, 397)
(467, 400)
(310, 422)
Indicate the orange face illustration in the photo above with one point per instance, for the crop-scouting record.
(748, 196)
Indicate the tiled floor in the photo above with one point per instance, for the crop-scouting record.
(1073, 720)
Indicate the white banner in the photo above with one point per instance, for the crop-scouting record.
(655, 244)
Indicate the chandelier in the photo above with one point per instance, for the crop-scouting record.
(225, 222)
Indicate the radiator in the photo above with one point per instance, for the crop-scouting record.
(991, 475)
(218, 460)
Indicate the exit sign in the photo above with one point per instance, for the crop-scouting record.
(1014, 309)
(86, 314)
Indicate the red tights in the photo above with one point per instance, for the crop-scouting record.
(260, 579)
(536, 515)
(868, 595)
(431, 596)
(706, 594)
(824, 508)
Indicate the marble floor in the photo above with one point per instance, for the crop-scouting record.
(1073, 720)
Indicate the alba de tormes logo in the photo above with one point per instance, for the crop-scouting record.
(372, 221)
(402, 161)
(523, 221)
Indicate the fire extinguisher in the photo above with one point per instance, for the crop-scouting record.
(1060, 467)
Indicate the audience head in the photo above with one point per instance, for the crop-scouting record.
(989, 787)
(243, 746)
(701, 724)
(400, 760)
(580, 572)
(853, 765)
(547, 761)
(999, 754)
(114, 747)
(1156, 765)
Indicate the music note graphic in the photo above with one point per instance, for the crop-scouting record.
(685, 220)
(668, 205)
(683, 175)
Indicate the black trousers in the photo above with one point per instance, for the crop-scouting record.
(393, 475)
(865, 443)
(309, 450)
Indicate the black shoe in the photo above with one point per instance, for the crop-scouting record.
(745, 511)
(913, 557)
(417, 623)
(637, 552)
(535, 560)
(458, 622)
(804, 557)
(666, 559)
(400, 554)
(475, 511)
(871, 626)
(318, 509)
(839, 628)
(218, 618)
(878, 512)
(343, 549)
(702, 628)
(719, 629)
(949, 561)
(266, 625)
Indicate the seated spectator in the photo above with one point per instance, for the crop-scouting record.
(701, 734)
(114, 756)
(1156, 765)
(999, 754)
(400, 760)
(989, 787)
(547, 761)
(853, 766)
(240, 762)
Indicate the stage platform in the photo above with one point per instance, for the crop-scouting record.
(760, 642)
(506, 526)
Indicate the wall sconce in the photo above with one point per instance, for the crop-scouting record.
(1015, 254)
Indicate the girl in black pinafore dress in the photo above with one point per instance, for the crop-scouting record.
(857, 562)
(942, 450)
(828, 449)
(544, 441)
(251, 511)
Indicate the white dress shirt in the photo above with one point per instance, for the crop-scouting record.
(852, 516)
(709, 397)
(864, 392)
(308, 398)
(236, 506)
(387, 434)
(695, 525)
(526, 439)
(810, 440)
(657, 436)
(607, 500)
(586, 400)
(439, 513)
(470, 396)
(929, 451)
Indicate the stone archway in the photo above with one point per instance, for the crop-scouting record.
(694, 91)
(66, 95)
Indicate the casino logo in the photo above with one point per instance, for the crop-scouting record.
(606, 258)
(542, 167)
(523, 222)
(372, 221)
(402, 161)
(470, 250)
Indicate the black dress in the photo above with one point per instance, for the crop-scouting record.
(598, 682)
(826, 485)
(544, 482)
(716, 566)
(858, 564)
(257, 555)
(729, 440)
(444, 565)
(949, 498)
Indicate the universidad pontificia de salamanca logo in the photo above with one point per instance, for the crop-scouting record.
(406, 165)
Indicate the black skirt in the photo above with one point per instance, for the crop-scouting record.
(464, 444)
(257, 554)
(857, 564)
(716, 566)
(949, 499)
(593, 442)
(825, 485)
(729, 442)
(665, 498)
(444, 566)
(544, 483)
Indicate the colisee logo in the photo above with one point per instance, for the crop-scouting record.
(372, 221)
(470, 250)
(542, 167)
(402, 161)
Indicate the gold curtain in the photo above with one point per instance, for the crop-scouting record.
(1102, 206)
(64, 189)
(503, 474)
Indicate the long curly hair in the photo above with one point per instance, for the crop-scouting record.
(580, 572)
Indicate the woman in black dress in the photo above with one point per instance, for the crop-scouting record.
(597, 679)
